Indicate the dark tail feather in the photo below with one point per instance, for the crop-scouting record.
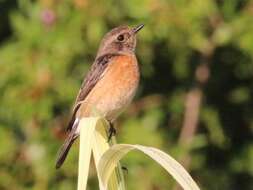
(63, 152)
(73, 118)
(71, 123)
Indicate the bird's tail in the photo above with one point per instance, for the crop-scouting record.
(63, 152)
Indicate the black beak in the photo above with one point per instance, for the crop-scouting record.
(137, 28)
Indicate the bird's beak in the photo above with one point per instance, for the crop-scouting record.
(137, 28)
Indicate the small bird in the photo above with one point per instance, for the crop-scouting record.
(109, 86)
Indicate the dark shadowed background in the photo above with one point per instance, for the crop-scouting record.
(194, 101)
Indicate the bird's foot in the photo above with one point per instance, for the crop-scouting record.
(112, 132)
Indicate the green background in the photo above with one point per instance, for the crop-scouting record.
(194, 54)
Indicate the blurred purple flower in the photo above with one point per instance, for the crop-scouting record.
(48, 17)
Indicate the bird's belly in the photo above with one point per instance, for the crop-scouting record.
(114, 91)
(115, 101)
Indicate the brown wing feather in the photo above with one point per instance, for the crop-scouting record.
(93, 76)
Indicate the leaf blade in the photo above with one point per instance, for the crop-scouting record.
(115, 153)
(87, 127)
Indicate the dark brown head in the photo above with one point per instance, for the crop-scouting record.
(119, 40)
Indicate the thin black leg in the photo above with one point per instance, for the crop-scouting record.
(112, 131)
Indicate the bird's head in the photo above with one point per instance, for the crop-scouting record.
(120, 39)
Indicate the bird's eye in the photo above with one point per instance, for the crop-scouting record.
(121, 38)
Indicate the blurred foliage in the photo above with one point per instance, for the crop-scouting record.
(47, 46)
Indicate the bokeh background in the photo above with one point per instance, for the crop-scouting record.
(194, 101)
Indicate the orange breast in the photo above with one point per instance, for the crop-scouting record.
(115, 90)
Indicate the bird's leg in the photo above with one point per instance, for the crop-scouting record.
(112, 131)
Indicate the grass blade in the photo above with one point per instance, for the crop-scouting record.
(100, 146)
(93, 138)
(112, 156)
(86, 134)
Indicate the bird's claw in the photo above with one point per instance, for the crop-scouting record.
(112, 132)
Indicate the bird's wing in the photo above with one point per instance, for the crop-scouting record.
(94, 75)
